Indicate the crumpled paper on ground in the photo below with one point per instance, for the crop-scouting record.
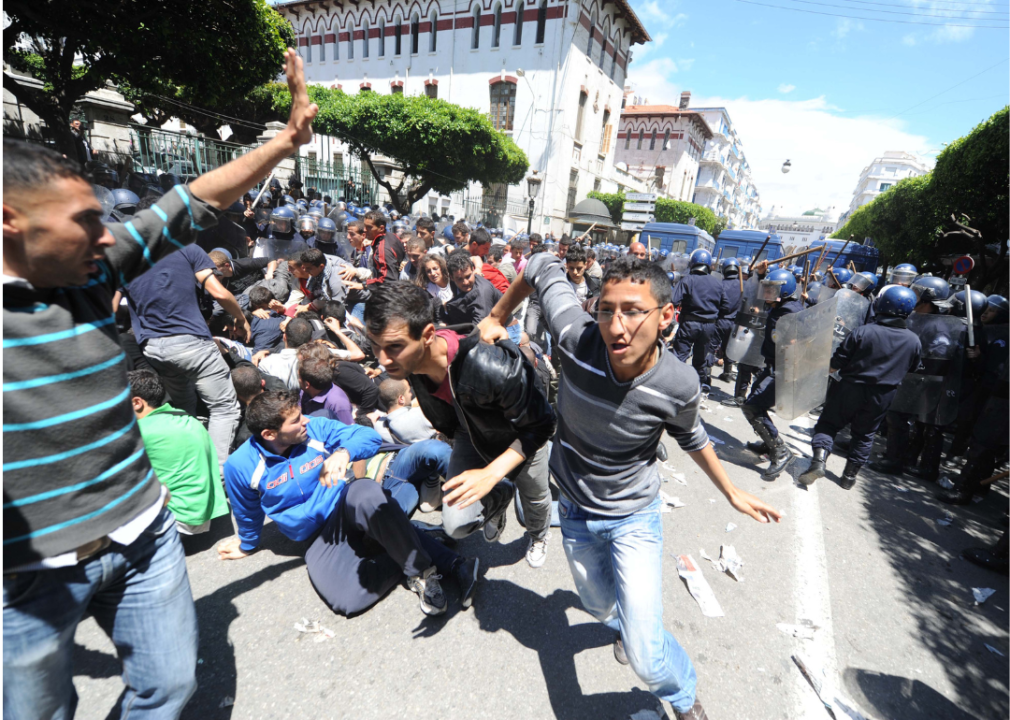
(669, 501)
(729, 561)
(698, 586)
(312, 627)
(982, 594)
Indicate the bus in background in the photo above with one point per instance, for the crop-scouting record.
(746, 243)
(676, 238)
(863, 257)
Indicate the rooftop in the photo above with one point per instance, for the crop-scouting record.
(666, 111)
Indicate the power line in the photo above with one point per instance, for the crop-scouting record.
(948, 89)
(934, 4)
(872, 19)
(902, 12)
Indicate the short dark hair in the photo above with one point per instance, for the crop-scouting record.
(313, 257)
(496, 253)
(316, 372)
(414, 242)
(146, 385)
(377, 217)
(480, 236)
(334, 309)
(298, 332)
(590, 253)
(399, 300)
(461, 227)
(30, 166)
(565, 240)
(542, 247)
(459, 260)
(515, 244)
(575, 254)
(390, 390)
(247, 380)
(260, 297)
(356, 224)
(268, 410)
(535, 238)
(425, 224)
(640, 271)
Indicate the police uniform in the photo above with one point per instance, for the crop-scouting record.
(762, 397)
(724, 324)
(700, 298)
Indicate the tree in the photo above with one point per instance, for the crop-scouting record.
(160, 52)
(437, 145)
(614, 203)
(677, 211)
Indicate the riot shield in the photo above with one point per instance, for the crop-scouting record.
(822, 293)
(931, 394)
(718, 276)
(803, 359)
(744, 345)
(850, 313)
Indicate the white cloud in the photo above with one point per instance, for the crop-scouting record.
(828, 151)
(844, 26)
(685, 64)
(909, 40)
(951, 34)
(653, 13)
(786, 89)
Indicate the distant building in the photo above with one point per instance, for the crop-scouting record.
(884, 172)
(662, 146)
(724, 179)
(799, 231)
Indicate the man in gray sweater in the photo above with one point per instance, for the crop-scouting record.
(85, 527)
(620, 389)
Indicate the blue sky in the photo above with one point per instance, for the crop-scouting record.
(828, 93)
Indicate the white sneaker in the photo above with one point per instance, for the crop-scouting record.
(431, 498)
(536, 553)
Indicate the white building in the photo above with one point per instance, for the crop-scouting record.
(724, 181)
(883, 173)
(549, 73)
(798, 231)
(662, 146)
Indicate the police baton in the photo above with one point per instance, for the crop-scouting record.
(757, 258)
(994, 478)
(967, 309)
(266, 184)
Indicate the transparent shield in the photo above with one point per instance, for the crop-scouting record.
(803, 359)
(744, 345)
(105, 199)
(822, 294)
(679, 263)
(718, 276)
(932, 393)
(851, 312)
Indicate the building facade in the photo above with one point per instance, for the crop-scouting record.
(798, 231)
(662, 146)
(725, 185)
(549, 73)
(883, 173)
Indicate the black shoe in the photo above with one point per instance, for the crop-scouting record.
(465, 573)
(780, 456)
(849, 475)
(619, 654)
(697, 712)
(955, 496)
(816, 469)
(886, 466)
(758, 448)
(927, 474)
(987, 559)
(734, 402)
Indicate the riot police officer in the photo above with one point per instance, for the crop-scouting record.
(699, 295)
(728, 309)
(903, 274)
(307, 225)
(872, 360)
(326, 237)
(779, 289)
(125, 204)
(283, 239)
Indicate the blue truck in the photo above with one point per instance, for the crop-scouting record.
(863, 257)
(676, 238)
(746, 243)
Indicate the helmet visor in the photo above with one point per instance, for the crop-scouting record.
(307, 224)
(280, 223)
(860, 282)
(771, 290)
(901, 277)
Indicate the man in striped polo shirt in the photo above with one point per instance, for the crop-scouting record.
(85, 526)
(620, 389)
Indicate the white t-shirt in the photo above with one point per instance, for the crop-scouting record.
(443, 294)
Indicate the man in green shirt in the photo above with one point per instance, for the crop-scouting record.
(181, 453)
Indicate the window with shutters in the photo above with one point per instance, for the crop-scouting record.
(541, 22)
(573, 188)
(652, 140)
(592, 32)
(666, 140)
(364, 41)
(608, 131)
(397, 37)
(641, 137)
(580, 116)
(433, 38)
(431, 90)
(382, 38)
(475, 36)
(627, 140)
(517, 35)
(496, 34)
(350, 43)
(415, 34)
(322, 51)
(503, 105)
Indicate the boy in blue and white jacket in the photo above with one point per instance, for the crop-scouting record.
(293, 469)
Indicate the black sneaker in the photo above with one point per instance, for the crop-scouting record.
(494, 526)
(429, 591)
(734, 402)
(465, 573)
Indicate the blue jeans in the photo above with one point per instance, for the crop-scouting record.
(421, 463)
(140, 596)
(617, 564)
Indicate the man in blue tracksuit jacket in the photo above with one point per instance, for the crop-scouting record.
(292, 469)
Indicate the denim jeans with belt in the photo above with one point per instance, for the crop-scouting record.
(140, 596)
(419, 464)
(617, 564)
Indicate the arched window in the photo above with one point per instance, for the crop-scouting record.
(496, 33)
(627, 140)
(503, 105)
(583, 98)
(415, 34)
(666, 140)
(541, 22)
(641, 137)
(350, 42)
(592, 31)
(398, 35)
(308, 49)
(652, 140)
(433, 39)
(336, 43)
(364, 40)
(475, 37)
(617, 49)
(382, 37)
(517, 35)
(603, 42)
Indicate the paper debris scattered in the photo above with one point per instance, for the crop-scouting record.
(698, 586)
(982, 594)
(727, 419)
(946, 520)
(679, 477)
(711, 500)
(730, 527)
(901, 489)
(227, 701)
(803, 632)
(705, 555)
(993, 650)
(977, 499)
(312, 627)
(946, 483)
(838, 704)
(716, 440)
(670, 501)
(732, 563)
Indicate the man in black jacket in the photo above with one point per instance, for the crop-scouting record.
(486, 398)
(474, 295)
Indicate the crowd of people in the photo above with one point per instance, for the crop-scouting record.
(227, 348)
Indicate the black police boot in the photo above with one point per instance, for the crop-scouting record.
(727, 371)
(849, 475)
(965, 486)
(994, 559)
(779, 457)
(758, 448)
(816, 469)
(734, 402)
(886, 466)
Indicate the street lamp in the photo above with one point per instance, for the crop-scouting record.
(532, 187)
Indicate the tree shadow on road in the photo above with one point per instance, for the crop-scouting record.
(895, 696)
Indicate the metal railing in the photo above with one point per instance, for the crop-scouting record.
(350, 182)
(490, 210)
(182, 154)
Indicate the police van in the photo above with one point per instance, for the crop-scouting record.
(675, 237)
(863, 257)
(746, 243)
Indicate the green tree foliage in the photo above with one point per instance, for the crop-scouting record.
(677, 211)
(197, 53)
(614, 203)
(971, 178)
(438, 146)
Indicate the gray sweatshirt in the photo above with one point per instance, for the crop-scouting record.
(604, 454)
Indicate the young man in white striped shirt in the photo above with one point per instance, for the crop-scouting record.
(620, 389)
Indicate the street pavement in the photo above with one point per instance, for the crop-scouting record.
(881, 581)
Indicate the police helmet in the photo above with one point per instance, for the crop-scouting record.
(341, 206)
(237, 208)
(307, 225)
(778, 285)
(1000, 309)
(701, 260)
(398, 227)
(327, 228)
(672, 276)
(863, 281)
(317, 213)
(288, 200)
(796, 270)
(931, 289)
(282, 219)
(843, 275)
(730, 267)
(902, 274)
(105, 176)
(979, 303)
(104, 197)
(125, 201)
(895, 301)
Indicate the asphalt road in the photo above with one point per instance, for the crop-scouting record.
(897, 629)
